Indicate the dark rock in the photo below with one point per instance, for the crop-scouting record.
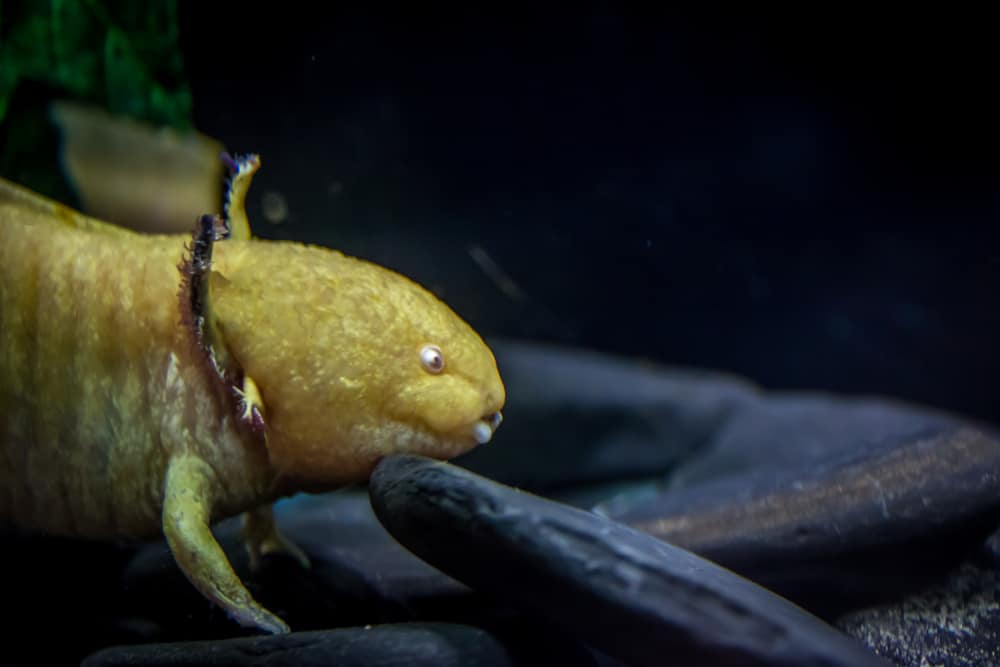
(634, 597)
(797, 430)
(437, 644)
(844, 531)
(575, 416)
(358, 575)
(954, 624)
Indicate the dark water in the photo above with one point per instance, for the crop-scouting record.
(808, 201)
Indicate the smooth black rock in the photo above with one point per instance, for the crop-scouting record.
(844, 531)
(577, 416)
(953, 624)
(432, 644)
(634, 597)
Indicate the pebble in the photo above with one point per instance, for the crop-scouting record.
(954, 623)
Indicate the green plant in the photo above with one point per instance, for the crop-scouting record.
(120, 55)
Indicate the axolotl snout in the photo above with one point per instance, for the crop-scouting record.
(155, 384)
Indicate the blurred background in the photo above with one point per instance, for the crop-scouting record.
(806, 199)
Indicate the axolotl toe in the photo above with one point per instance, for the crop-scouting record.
(155, 384)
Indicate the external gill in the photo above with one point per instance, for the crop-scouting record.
(241, 170)
(237, 389)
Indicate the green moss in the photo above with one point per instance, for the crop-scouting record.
(121, 55)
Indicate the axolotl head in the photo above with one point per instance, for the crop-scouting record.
(352, 361)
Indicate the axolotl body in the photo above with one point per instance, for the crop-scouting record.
(151, 385)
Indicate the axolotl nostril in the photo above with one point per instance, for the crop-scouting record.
(154, 384)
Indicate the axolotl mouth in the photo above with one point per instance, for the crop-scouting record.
(417, 437)
(483, 430)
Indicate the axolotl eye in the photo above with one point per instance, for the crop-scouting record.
(432, 359)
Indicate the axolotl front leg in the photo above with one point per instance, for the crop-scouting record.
(188, 499)
(191, 483)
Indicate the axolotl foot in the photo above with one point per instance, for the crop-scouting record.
(186, 526)
(262, 537)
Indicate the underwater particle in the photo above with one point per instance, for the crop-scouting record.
(840, 326)
(274, 207)
(335, 188)
(503, 281)
(908, 315)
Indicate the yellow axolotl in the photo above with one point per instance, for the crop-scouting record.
(151, 385)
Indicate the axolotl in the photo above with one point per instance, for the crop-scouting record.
(154, 384)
